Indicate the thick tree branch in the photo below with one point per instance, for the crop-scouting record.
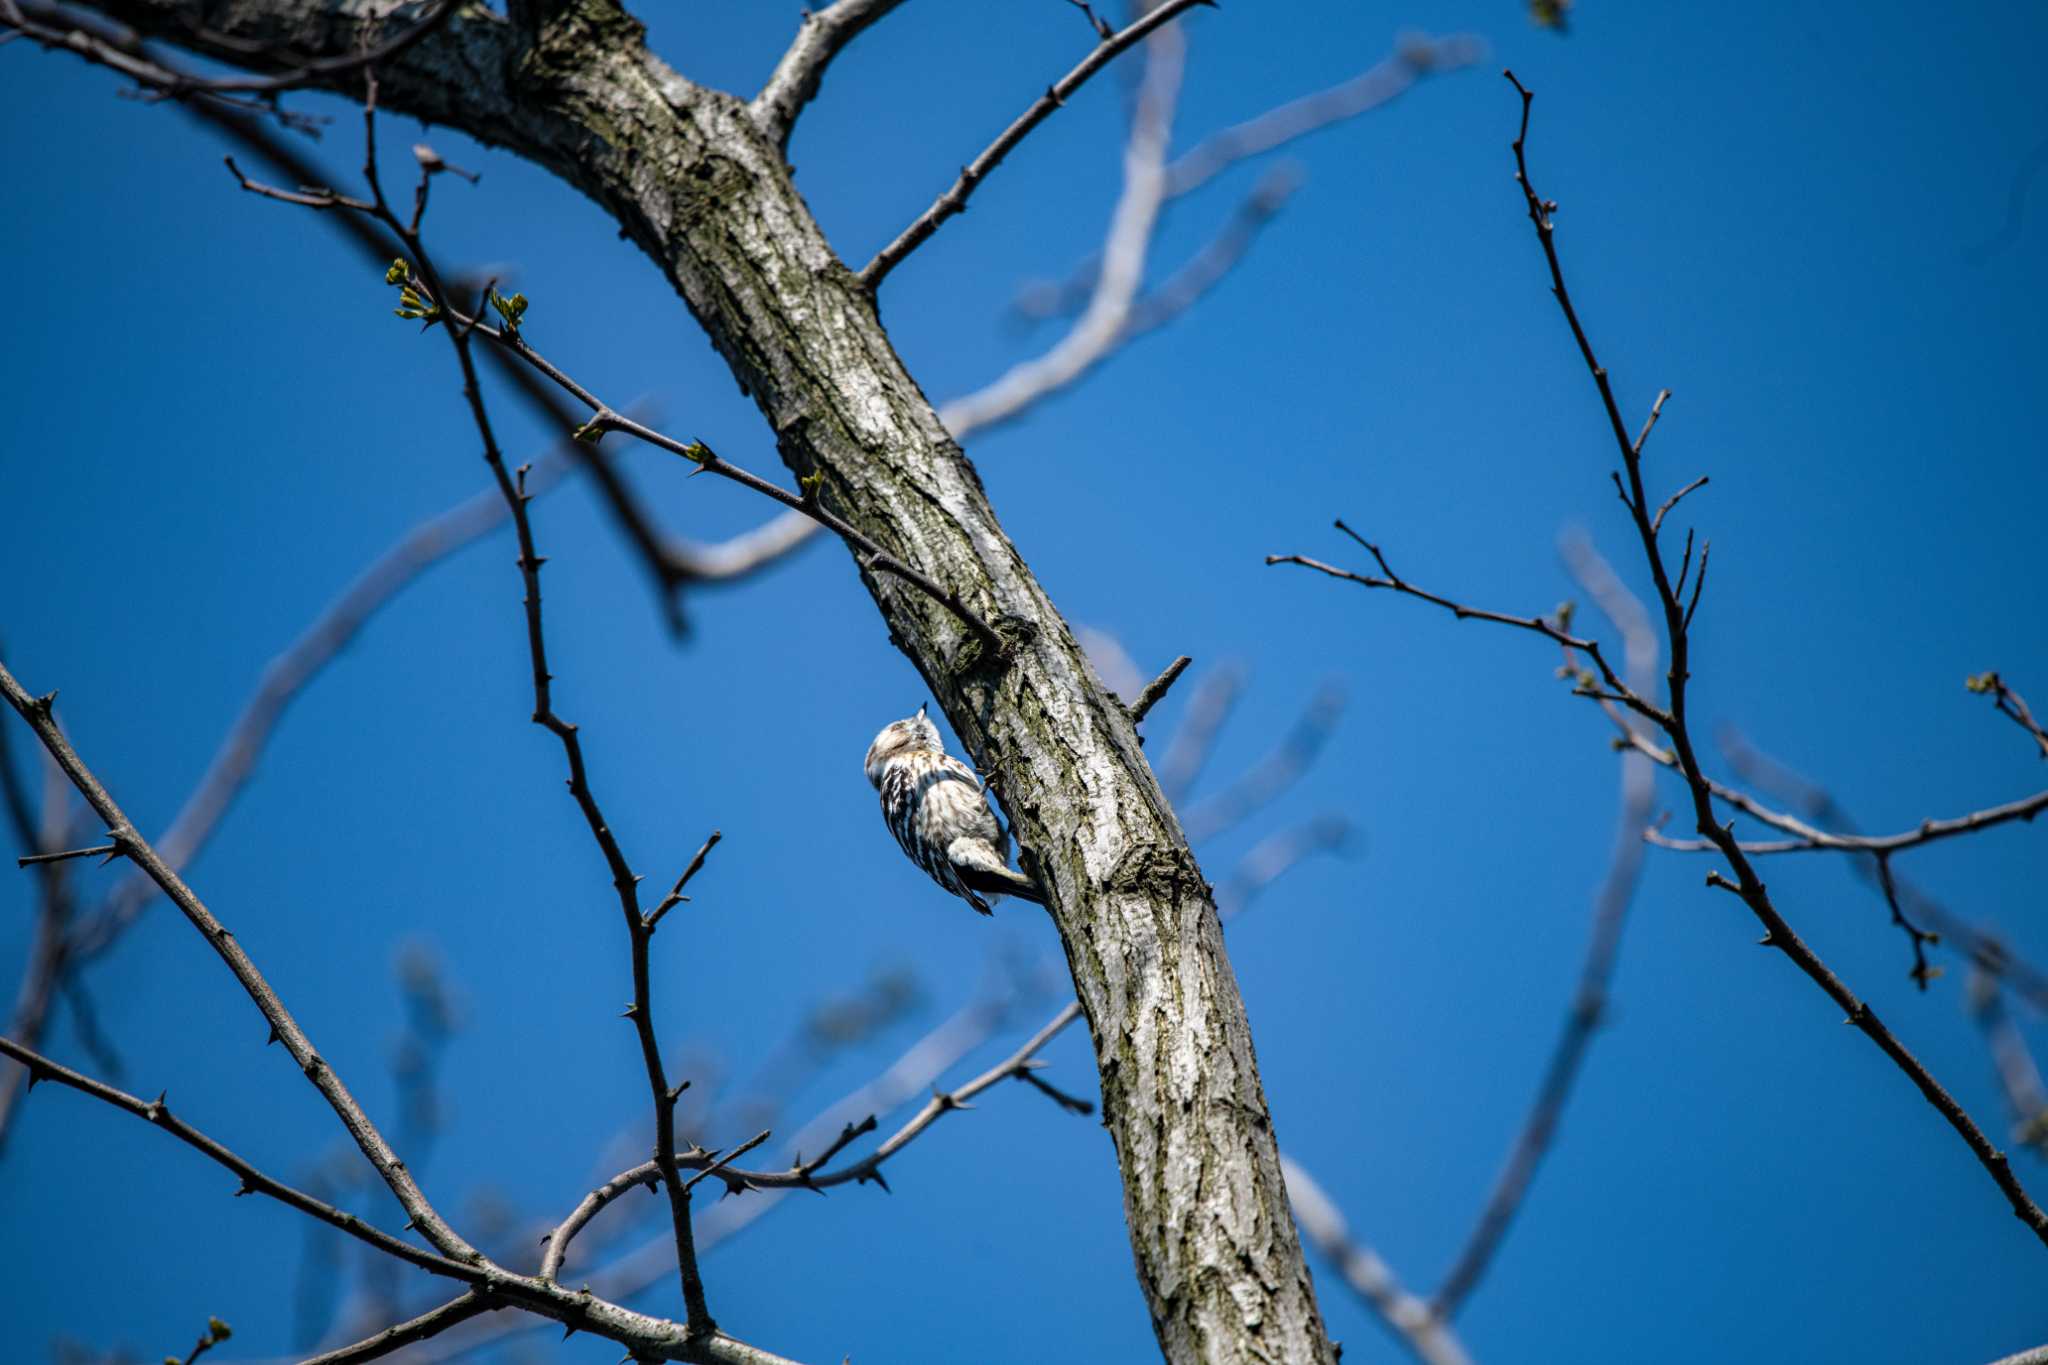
(690, 178)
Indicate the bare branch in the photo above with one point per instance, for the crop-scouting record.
(1777, 932)
(287, 676)
(2012, 704)
(795, 80)
(1155, 691)
(254, 1181)
(954, 199)
(1551, 630)
(108, 851)
(1412, 59)
(1427, 1337)
(1807, 839)
(1985, 951)
(37, 711)
(675, 896)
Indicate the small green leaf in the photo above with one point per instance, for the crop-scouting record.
(398, 271)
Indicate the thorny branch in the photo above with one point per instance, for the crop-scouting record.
(426, 296)
(38, 713)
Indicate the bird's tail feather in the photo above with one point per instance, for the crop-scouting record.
(1002, 882)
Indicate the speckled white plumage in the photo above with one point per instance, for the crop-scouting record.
(938, 810)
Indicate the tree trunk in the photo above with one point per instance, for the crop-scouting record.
(691, 175)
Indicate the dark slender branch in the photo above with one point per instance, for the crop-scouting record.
(1550, 630)
(38, 712)
(1155, 691)
(795, 80)
(955, 198)
(1657, 522)
(1777, 932)
(103, 44)
(254, 1181)
(625, 884)
(670, 564)
(675, 896)
(873, 557)
(97, 850)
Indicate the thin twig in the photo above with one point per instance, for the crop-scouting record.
(1986, 952)
(955, 198)
(675, 896)
(1155, 691)
(253, 1181)
(38, 712)
(97, 850)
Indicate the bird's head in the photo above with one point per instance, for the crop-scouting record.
(900, 738)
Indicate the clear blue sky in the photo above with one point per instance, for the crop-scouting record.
(209, 421)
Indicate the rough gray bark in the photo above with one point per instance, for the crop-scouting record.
(697, 178)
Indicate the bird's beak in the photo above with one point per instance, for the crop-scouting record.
(920, 708)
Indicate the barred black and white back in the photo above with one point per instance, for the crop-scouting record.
(938, 811)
